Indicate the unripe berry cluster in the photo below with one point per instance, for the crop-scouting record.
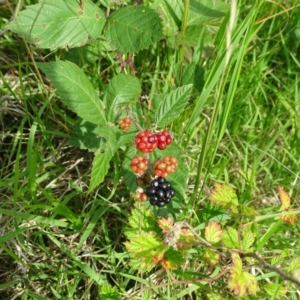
(125, 124)
(165, 166)
(139, 164)
(160, 192)
(140, 196)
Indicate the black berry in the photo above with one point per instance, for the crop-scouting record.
(159, 192)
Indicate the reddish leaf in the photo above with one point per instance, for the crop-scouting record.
(284, 198)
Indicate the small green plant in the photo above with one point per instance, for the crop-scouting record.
(206, 246)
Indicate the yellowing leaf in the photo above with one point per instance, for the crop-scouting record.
(213, 232)
(165, 224)
(172, 260)
(223, 195)
(241, 283)
(146, 251)
(186, 239)
(211, 257)
(230, 238)
(284, 198)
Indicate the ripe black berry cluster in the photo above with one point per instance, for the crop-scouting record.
(159, 192)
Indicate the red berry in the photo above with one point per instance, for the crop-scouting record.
(125, 124)
(139, 164)
(165, 166)
(146, 141)
(163, 139)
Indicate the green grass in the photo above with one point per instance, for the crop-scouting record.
(59, 242)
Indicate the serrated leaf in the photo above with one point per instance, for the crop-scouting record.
(102, 158)
(281, 258)
(284, 198)
(211, 257)
(133, 28)
(146, 250)
(85, 136)
(273, 290)
(172, 259)
(230, 238)
(59, 24)
(248, 239)
(141, 220)
(108, 292)
(223, 195)
(75, 90)
(172, 105)
(122, 90)
(240, 282)
(213, 232)
(294, 264)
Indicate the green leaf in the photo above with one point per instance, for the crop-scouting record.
(172, 105)
(173, 259)
(141, 220)
(133, 28)
(59, 24)
(248, 239)
(230, 238)
(294, 264)
(108, 292)
(223, 195)
(273, 290)
(213, 232)
(146, 251)
(75, 90)
(171, 12)
(190, 74)
(122, 90)
(204, 11)
(85, 136)
(102, 158)
(240, 282)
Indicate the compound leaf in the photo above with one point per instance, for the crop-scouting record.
(172, 105)
(133, 28)
(59, 24)
(75, 90)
